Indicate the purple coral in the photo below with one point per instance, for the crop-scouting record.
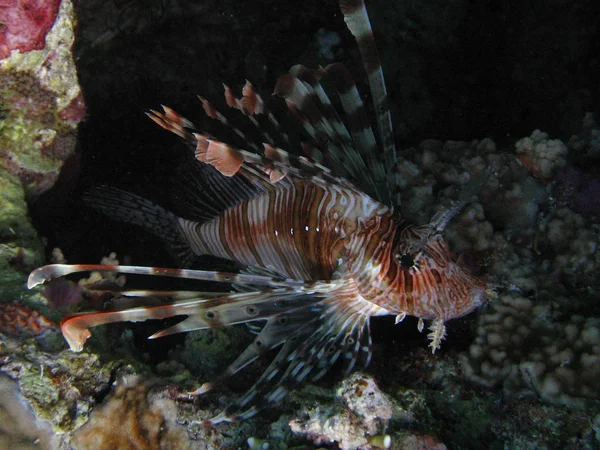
(62, 293)
(578, 190)
(588, 199)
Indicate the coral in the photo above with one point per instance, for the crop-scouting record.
(327, 42)
(19, 428)
(20, 248)
(578, 190)
(586, 144)
(572, 241)
(415, 441)
(540, 155)
(521, 345)
(41, 103)
(62, 387)
(361, 410)
(25, 24)
(18, 319)
(131, 418)
(470, 231)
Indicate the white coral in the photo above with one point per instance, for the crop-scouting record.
(541, 155)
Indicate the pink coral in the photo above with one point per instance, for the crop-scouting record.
(25, 24)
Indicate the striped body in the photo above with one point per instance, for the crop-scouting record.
(301, 230)
(318, 231)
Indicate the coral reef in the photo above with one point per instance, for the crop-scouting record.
(62, 387)
(504, 377)
(542, 156)
(586, 143)
(20, 247)
(523, 345)
(130, 418)
(42, 103)
(20, 429)
(572, 241)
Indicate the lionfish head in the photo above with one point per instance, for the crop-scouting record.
(435, 285)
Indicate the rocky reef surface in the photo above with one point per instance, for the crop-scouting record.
(522, 372)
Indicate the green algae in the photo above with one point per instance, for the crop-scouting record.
(20, 247)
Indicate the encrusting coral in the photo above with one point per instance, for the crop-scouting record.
(131, 419)
(20, 247)
(42, 103)
(20, 429)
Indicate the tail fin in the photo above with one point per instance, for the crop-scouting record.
(131, 208)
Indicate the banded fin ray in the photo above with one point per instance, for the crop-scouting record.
(51, 271)
(203, 313)
(314, 323)
(275, 163)
(354, 150)
(273, 334)
(306, 98)
(131, 208)
(339, 328)
(357, 21)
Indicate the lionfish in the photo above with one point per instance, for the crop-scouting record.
(322, 246)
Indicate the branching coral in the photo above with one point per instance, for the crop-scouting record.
(521, 345)
(571, 241)
(542, 156)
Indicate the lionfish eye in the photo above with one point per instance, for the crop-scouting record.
(406, 260)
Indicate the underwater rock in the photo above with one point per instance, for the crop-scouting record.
(19, 427)
(20, 248)
(25, 25)
(42, 103)
(61, 387)
(131, 419)
(360, 410)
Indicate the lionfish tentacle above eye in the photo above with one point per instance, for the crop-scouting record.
(313, 229)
